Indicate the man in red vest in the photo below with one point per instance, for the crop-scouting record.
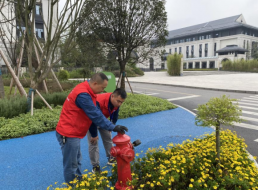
(78, 113)
(109, 104)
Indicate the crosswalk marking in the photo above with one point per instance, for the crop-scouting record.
(251, 113)
(252, 104)
(245, 125)
(184, 97)
(247, 107)
(256, 140)
(246, 98)
(249, 118)
(247, 101)
(256, 96)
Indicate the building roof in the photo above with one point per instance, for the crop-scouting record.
(229, 22)
(231, 48)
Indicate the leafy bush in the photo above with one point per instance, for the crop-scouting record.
(190, 165)
(15, 106)
(174, 64)
(24, 124)
(76, 73)
(63, 75)
(240, 65)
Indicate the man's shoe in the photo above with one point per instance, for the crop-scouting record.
(96, 169)
(111, 161)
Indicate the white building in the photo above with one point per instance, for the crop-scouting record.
(11, 30)
(207, 45)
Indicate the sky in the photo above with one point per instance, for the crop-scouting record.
(183, 13)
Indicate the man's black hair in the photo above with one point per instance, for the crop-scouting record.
(98, 77)
(120, 92)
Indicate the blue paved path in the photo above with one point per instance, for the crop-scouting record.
(35, 162)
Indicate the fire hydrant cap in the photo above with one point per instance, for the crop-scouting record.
(121, 139)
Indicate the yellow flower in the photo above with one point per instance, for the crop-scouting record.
(190, 185)
(142, 185)
(152, 185)
(215, 187)
(192, 180)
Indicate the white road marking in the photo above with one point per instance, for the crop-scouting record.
(251, 113)
(247, 107)
(249, 118)
(248, 101)
(250, 98)
(256, 140)
(252, 104)
(184, 97)
(256, 96)
(151, 94)
(248, 126)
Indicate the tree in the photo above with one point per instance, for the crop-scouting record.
(125, 26)
(57, 24)
(217, 112)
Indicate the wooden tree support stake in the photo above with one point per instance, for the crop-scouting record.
(43, 100)
(129, 84)
(32, 101)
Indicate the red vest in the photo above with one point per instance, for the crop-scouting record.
(103, 100)
(73, 121)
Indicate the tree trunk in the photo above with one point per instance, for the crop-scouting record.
(1, 85)
(218, 144)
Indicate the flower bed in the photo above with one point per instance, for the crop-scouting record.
(191, 165)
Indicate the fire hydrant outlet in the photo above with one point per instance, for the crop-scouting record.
(114, 151)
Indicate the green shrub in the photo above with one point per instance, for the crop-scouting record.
(46, 120)
(13, 106)
(138, 71)
(76, 73)
(63, 75)
(174, 64)
(240, 65)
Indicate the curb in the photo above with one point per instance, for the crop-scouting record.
(249, 155)
(205, 88)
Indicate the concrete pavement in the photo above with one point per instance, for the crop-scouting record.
(213, 80)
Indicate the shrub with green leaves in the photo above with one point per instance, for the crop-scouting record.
(174, 64)
(63, 75)
(46, 120)
(240, 65)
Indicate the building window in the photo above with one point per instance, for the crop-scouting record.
(244, 44)
(187, 51)
(192, 52)
(215, 49)
(200, 50)
(169, 51)
(190, 65)
(204, 65)
(197, 65)
(20, 31)
(212, 64)
(206, 50)
(175, 50)
(38, 10)
(193, 39)
(180, 50)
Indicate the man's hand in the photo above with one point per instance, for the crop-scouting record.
(121, 129)
(94, 140)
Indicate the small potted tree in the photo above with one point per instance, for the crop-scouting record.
(217, 112)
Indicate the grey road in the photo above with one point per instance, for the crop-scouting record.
(190, 98)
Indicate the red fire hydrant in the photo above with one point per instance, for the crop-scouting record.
(124, 153)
